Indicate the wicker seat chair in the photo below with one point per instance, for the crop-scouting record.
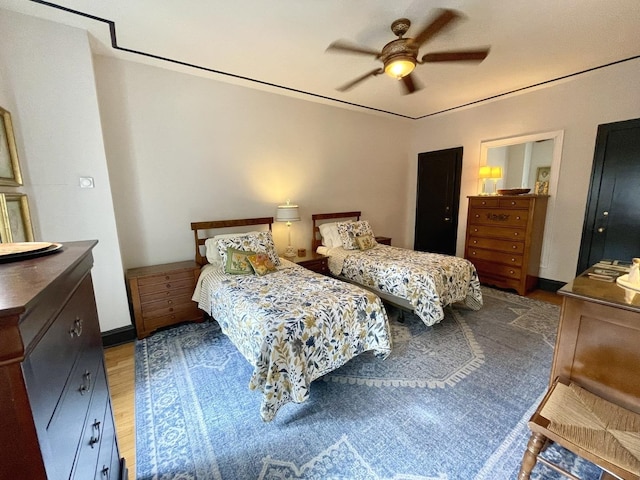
(589, 426)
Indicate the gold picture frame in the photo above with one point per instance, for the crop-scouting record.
(9, 165)
(15, 218)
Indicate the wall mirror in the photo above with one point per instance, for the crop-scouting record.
(524, 160)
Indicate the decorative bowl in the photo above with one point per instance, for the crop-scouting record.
(513, 191)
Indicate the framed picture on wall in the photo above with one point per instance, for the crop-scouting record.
(15, 219)
(9, 166)
(543, 174)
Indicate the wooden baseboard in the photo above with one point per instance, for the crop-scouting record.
(550, 285)
(119, 336)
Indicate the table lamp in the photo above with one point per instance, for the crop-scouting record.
(484, 173)
(288, 213)
(496, 174)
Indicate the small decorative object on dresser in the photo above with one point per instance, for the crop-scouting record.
(504, 239)
(160, 295)
(314, 262)
(55, 409)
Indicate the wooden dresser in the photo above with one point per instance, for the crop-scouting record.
(56, 420)
(160, 295)
(504, 239)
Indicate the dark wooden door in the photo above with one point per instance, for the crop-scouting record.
(438, 200)
(612, 222)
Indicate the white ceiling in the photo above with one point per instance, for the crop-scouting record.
(279, 45)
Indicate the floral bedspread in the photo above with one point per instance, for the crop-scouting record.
(429, 281)
(293, 326)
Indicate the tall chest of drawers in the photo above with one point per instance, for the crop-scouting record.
(56, 420)
(504, 239)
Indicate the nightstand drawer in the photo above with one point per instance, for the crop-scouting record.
(495, 270)
(156, 321)
(166, 285)
(169, 303)
(167, 294)
(166, 277)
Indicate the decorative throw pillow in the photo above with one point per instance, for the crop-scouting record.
(365, 242)
(256, 242)
(238, 262)
(348, 231)
(261, 264)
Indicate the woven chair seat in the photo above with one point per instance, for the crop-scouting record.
(591, 427)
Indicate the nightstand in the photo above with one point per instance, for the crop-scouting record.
(161, 295)
(384, 240)
(313, 261)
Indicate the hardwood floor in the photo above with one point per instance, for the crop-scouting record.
(120, 370)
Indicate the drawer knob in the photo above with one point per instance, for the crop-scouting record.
(85, 386)
(167, 277)
(475, 241)
(475, 229)
(518, 217)
(513, 202)
(484, 203)
(170, 302)
(473, 252)
(511, 272)
(168, 285)
(76, 329)
(514, 247)
(515, 234)
(96, 437)
(513, 259)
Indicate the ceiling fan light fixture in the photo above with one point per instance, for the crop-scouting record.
(400, 66)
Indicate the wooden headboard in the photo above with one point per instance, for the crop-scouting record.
(200, 229)
(316, 239)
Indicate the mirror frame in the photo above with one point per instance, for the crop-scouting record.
(557, 136)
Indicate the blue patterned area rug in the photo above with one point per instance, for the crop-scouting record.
(450, 403)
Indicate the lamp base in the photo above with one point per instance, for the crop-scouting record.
(289, 252)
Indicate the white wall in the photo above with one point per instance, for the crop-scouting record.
(182, 148)
(576, 106)
(48, 86)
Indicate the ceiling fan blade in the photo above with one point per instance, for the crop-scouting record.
(354, 82)
(343, 46)
(410, 84)
(457, 56)
(442, 19)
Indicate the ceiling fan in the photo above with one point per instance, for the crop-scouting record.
(399, 57)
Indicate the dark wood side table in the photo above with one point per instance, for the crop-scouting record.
(312, 261)
(161, 295)
(384, 240)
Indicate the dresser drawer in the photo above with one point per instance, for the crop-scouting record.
(94, 431)
(64, 429)
(499, 217)
(108, 464)
(522, 202)
(164, 277)
(484, 202)
(495, 244)
(496, 270)
(509, 233)
(493, 256)
(49, 365)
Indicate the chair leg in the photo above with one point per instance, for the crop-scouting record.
(530, 458)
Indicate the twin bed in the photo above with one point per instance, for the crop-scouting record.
(293, 325)
(421, 282)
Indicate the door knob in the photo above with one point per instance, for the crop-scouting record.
(601, 229)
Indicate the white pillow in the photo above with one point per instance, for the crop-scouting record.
(211, 247)
(330, 236)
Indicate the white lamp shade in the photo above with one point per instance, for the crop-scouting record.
(287, 213)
